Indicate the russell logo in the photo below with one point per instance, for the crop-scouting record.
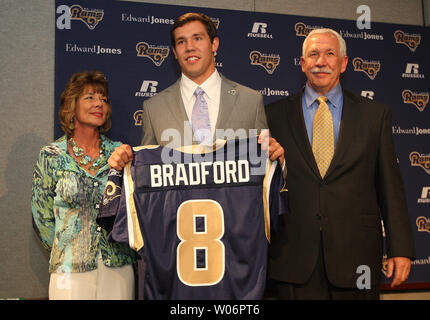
(412, 71)
(259, 30)
(425, 195)
(368, 94)
(148, 89)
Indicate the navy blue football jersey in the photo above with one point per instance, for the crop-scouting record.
(200, 220)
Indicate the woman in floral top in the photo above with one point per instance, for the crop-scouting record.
(68, 183)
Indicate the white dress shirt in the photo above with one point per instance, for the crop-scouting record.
(212, 89)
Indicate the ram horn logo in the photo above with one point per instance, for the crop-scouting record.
(371, 68)
(138, 118)
(112, 191)
(302, 30)
(268, 62)
(423, 224)
(156, 53)
(412, 41)
(420, 160)
(90, 17)
(419, 100)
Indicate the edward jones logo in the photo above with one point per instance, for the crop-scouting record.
(268, 61)
(419, 100)
(274, 92)
(423, 224)
(370, 68)
(156, 53)
(412, 41)
(90, 17)
(420, 160)
(411, 130)
(129, 17)
(94, 49)
(361, 35)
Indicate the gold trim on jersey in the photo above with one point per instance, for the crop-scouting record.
(270, 171)
(148, 146)
(266, 192)
(202, 148)
(132, 218)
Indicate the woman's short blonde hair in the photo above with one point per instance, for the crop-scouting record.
(74, 88)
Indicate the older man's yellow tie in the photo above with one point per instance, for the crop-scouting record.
(323, 136)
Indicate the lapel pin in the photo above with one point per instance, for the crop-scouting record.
(232, 92)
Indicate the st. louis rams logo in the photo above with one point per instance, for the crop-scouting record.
(112, 191)
(303, 30)
(420, 160)
(412, 41)
(371, 68)
(419, 100)
(156, 53)
(268, 62)
(138, 118)
(91, 17)
(423, 224)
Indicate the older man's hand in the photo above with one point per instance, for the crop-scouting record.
(400, 266)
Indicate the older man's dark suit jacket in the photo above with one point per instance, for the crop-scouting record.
(362, 185)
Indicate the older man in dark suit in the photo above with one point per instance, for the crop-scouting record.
(343, 178)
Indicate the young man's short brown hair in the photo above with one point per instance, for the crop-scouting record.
(193, 16)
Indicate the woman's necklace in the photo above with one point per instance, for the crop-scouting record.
(86, 159)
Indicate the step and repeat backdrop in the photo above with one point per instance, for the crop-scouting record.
(130, 43)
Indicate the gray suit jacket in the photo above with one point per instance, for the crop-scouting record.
(165, 120)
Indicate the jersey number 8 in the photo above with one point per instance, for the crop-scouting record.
(200, 254)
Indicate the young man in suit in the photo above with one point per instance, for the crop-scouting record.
(340, 186)
(232, 108)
